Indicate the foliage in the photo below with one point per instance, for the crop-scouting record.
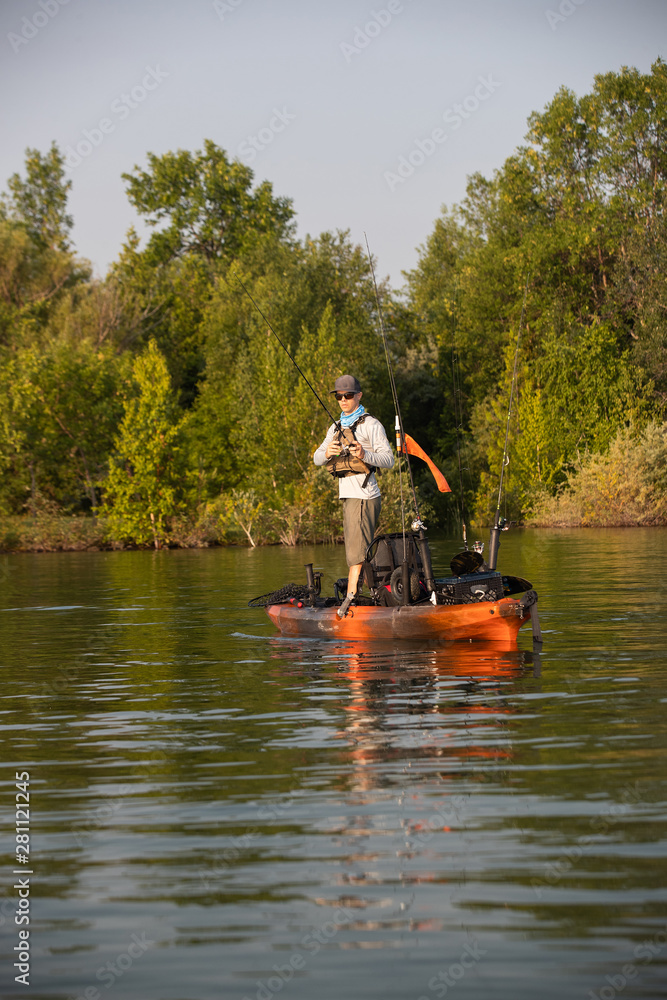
(144, 489)
(59, 411)
(36, 263)
(39, 201)
(625, 485)
(255, 420)
(572, 399)
(49, 530)
(206, 204)
(205, 214)
(163, 391)
(567, 216)
(244, 509)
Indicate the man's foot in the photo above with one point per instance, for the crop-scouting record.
(343, 609)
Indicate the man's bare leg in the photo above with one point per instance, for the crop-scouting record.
(352, 583)
(353, 575)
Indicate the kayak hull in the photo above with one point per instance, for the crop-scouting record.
(497, 621)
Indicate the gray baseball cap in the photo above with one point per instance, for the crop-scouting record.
(346, 383)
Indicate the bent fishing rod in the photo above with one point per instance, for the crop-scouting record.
(308, 383)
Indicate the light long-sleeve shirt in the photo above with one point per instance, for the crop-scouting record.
(377, 451)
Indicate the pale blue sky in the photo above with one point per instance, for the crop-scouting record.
(321, 98)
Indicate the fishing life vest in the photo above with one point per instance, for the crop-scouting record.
(346, 464)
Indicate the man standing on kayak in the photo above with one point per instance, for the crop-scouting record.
(357, 485)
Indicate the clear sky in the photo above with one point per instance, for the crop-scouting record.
(327, 100)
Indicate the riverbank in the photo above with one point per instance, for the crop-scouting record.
(70, 533)
(91, 534)
(61, 533)
(52, 534)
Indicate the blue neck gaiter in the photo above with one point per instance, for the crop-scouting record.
(347, 419)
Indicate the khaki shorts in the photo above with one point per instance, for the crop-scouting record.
(359, 520)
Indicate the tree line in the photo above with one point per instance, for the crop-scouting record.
(157, 401)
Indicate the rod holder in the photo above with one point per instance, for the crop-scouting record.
(535, 623)
(425, 553)
(494, 545)
(494, 541)
(405, 580)
(314, 583)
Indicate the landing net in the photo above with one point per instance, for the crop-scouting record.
(296, 591)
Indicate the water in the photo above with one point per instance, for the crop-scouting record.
(217, 813)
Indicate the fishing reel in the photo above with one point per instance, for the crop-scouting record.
(418, 525)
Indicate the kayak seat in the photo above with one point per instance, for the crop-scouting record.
(385, 554)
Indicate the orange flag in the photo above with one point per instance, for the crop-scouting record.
(414, 449)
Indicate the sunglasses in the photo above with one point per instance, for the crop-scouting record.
(345, 395)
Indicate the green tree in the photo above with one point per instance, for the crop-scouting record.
(206, 214)
(37, 266)
(624, 485)
(60, 411)
(638, 301)
(571, 211)
(144, 489)
(570, 401)
(39, 200)
(26, 446)
(255, 421)
(204, 204)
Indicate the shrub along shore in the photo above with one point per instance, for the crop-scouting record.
(240, 517)
(626, 487)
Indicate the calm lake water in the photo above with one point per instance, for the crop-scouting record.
(217, 813)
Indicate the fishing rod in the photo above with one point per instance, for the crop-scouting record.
(308, 383)
(458, 422)
(399, 420)
(494, 542)
(417, 525)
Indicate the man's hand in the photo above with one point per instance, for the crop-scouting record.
(356, 449)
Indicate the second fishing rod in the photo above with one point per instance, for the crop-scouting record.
(346, 462)
(418, 526)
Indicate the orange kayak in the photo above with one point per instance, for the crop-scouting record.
(497, 621)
